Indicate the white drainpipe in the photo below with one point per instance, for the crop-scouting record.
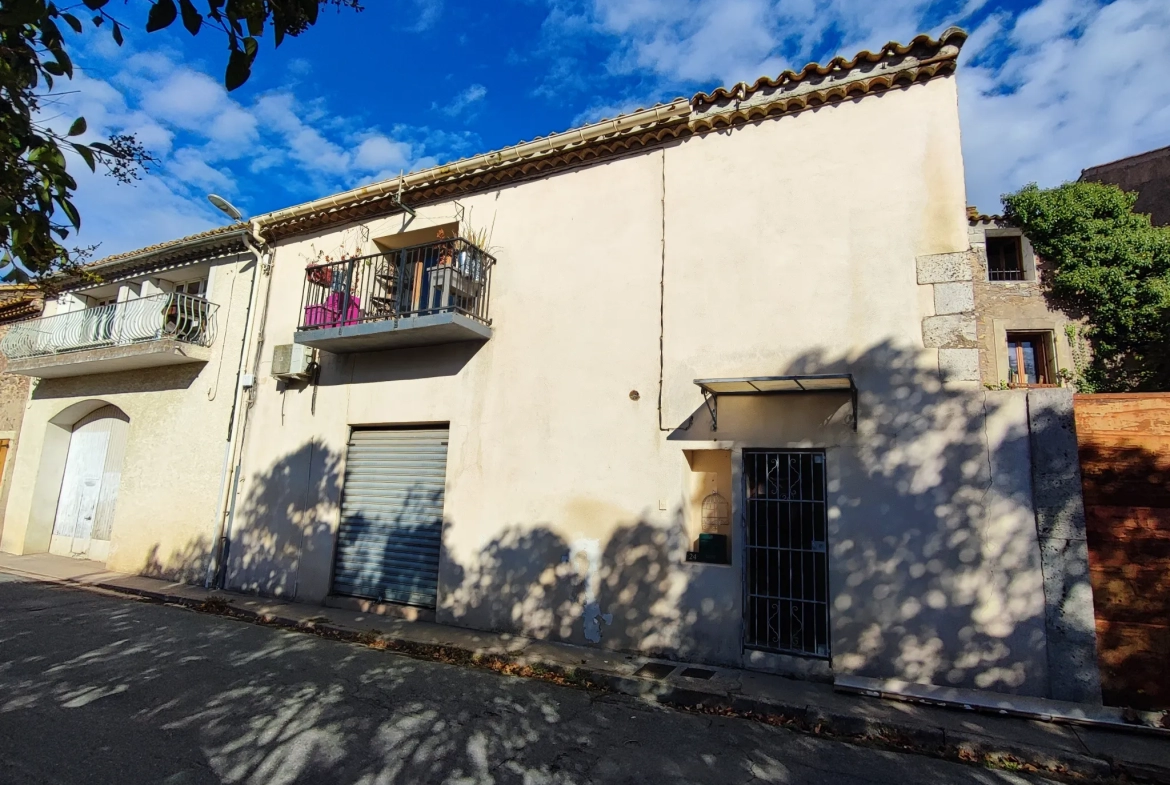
(233, 455)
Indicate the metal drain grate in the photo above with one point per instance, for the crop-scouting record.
(655, 670)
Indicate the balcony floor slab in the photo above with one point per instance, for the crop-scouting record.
(423, 330)
(110, 359)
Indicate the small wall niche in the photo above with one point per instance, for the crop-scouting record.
(708, 513)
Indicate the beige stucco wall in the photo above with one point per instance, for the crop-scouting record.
(164, 519)
(13, 396)
(784, 247)
(1001, 306)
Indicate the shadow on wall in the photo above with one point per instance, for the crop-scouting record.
(173, 377)
(288, 509)
(934, 561)
(934, 564)
(1127, 515)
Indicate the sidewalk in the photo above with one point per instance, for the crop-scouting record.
(1075, 751)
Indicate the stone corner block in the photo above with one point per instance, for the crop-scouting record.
(958, 365)
(951, 331)
(944, 268)
(956, 297)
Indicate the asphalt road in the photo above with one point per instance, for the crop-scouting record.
(101, 689)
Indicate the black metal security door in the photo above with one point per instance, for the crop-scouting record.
(786, 591)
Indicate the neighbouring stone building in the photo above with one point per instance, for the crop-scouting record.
(1146, 173)
(1023, 342)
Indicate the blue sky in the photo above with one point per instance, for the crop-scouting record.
(1047, 87)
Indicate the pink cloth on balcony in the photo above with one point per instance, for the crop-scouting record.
(329, 313)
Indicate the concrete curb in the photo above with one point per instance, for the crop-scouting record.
(914, 737)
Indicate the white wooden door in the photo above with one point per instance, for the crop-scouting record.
(89, 487)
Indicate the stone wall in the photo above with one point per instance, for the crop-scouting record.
(1010, 305)
(1064, 555)
(952, 327)
(1148, 174)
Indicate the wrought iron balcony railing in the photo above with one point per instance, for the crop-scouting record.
(447, 276)
(181, 317)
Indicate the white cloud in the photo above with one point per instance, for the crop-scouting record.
(1044, 92)
(463, 102)
(381, 152)
(429, 12)
(1060, 103)
(268, 152)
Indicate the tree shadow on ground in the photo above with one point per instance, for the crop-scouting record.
(155, 694)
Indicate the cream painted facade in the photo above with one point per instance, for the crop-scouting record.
(805, 244)
(797, 227)
(164, 517)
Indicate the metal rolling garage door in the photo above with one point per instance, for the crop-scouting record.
(392, 516)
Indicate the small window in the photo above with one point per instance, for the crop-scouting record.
(1030, 360)
(194, 288)
(1004, 259)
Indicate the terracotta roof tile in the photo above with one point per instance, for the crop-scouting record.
(922, 44)
(160, 248)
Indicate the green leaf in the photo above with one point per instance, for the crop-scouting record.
(118, 34)
(192, 19)
(250, 47)
(94, 5)
(162, 13)
(54, 68)
(64, 61)
(71, 212)
(105, 148)
(256, 23)
(73, 22)
(239, 68)
(87, 156)
(97, 21)
(78, 127)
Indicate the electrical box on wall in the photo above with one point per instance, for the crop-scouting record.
(292, 361)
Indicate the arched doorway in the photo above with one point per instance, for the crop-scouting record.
(89, 486)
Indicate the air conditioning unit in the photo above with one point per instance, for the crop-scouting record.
(292, 361)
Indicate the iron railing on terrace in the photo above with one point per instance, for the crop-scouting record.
(181, 317)
(1005, 274)
(446, 276)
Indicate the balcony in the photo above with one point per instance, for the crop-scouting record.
(161, 329)
(419, 296)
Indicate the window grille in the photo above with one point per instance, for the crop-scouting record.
(786, 577)
(1004, 259)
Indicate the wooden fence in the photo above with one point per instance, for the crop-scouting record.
(1124, 446)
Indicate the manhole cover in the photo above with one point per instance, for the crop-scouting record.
(697, 673)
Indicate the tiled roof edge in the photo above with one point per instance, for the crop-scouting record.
(926, 47)
(166, 249)
(190, 248)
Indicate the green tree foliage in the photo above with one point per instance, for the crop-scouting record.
(36, 211)
(1109, 266)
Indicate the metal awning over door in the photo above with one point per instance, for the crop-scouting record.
(392, 516)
